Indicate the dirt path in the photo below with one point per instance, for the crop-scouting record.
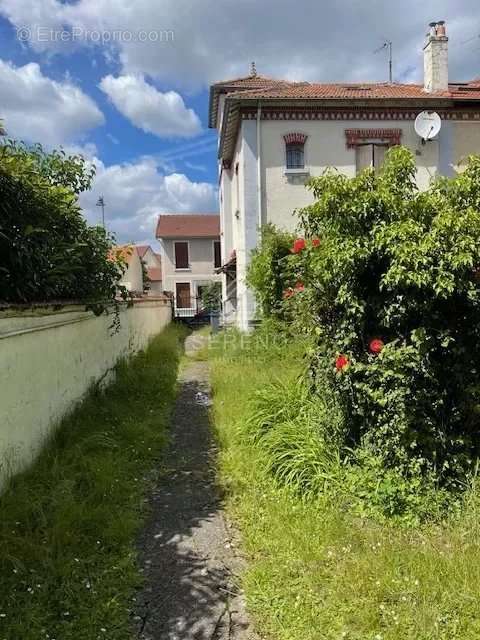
(191, 589)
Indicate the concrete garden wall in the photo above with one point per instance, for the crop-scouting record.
(50, 358)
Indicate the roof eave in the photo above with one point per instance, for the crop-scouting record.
(233, 104)
(213, 107)
(187, 236)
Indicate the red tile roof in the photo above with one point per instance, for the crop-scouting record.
(239, 84)
(246, 92)
(362, 91)
(154, 273)
(251, 82)
(188, 225)
(142, 249)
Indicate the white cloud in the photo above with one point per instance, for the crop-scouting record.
(37, 109)
(163, 114)
(135, 193)
(312, 40)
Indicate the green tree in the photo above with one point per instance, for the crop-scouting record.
(47, 249)
(391, 292)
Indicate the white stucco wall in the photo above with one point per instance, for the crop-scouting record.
(48, 361)
(249, 221)
(226, 238)
(150, 258)
(132, 278)
(156, 288)
(152, 261)
(325, 147)
(466, 142)
(201, 269)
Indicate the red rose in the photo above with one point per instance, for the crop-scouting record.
(376, 345)
(298, 245)
(299, 287)
(341, 362)
(288, 293)
(316, 242)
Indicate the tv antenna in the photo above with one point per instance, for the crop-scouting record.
(387, 45)
(101, 203)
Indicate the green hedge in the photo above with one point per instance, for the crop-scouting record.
(47, 249)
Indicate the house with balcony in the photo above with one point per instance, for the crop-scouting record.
(132, 277)
(191, 254)
(275, 134)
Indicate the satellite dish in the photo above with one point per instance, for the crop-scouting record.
(427, 125)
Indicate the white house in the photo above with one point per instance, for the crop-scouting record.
(274, 134)
(153, 264)
(132, 278)
(191, 252)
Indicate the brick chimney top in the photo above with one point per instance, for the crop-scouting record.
(437, 30)
(435, 58)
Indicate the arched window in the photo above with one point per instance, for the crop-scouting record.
(295, 150)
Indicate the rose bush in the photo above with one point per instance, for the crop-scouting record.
(391, 288)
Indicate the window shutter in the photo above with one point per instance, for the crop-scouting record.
(181, 255)
(183, 295)
(217, 258)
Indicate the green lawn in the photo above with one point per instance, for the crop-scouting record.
(314, 570)
(68, 526)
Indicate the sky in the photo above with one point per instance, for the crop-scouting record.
(125, 82)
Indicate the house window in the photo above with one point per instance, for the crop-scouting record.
(295, 150)
(181, 255)
(217, 254)
(295, 156)
(182, 291)
(370, 155)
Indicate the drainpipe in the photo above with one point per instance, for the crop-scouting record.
(259, 164)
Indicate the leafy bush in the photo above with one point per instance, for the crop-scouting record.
(388, 281)
(145, 277)
(301, 437)
(47, 250)
(212, 296)
(266, 273)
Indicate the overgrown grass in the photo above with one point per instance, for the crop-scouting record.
(68, 525)
(316, 570)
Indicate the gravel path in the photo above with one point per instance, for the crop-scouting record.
(187, 548)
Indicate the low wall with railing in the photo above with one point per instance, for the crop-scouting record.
(50, 357)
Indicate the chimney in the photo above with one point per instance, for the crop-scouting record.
(435, 58)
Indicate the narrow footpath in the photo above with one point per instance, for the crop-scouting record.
(187, 548)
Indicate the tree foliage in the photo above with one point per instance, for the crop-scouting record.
(391, 291)
(266, 273)
(211, 297)
(47, 249)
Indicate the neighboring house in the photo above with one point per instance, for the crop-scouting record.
(132, 278)
(274, 134)
(153, 263)
(190, 254)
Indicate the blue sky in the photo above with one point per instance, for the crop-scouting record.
(127, 82)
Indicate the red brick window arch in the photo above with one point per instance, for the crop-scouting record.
(295, 150)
